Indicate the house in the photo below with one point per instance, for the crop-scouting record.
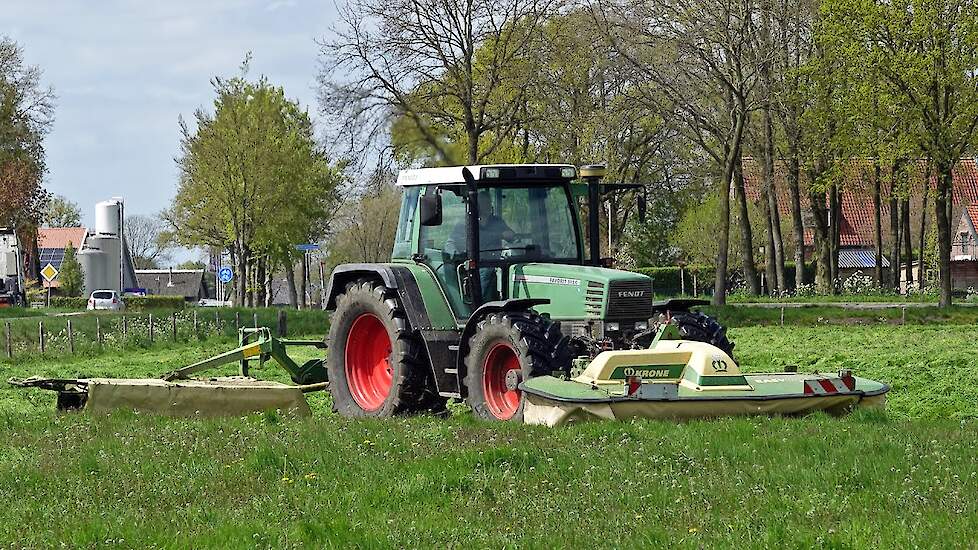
(51, 245)
(857, 247)
(964, 250)
(191, 284)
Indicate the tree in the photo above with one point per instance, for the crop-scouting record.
(71, 275)
(926, 52)
(253, 181)
(191, 264)
(26, 115)
(61, 212)
(699, 57)
(357, 241)
(148, 240)
(441, 66)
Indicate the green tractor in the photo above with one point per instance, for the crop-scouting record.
(440, 321)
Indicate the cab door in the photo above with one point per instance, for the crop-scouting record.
(443, 248)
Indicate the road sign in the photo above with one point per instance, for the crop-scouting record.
(307, 247)
(49, 273)
(225, 274)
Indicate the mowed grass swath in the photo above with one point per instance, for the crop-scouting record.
(907, 476)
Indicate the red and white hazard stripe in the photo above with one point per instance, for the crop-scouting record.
(823, 386)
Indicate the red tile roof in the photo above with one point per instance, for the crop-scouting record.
(59, 237)
(857, 194)
(973, 214)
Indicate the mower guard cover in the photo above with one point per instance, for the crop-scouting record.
(226, 396)
(682, 379)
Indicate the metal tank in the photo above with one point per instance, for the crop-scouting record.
(108, 217)
(94, 264)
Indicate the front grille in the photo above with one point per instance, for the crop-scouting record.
(630, 299)
(594, 299)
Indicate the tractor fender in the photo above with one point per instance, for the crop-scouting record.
(518, 304)
(346, 273)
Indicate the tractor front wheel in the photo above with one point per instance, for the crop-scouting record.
(377, 365)
(506, 349)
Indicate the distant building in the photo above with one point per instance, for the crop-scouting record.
(857, 246)
(52, 242)
(190, 284)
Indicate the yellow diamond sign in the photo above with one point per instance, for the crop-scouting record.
(49, 273)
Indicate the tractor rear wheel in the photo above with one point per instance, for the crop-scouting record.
(506, 349)
(377, 365)
(700, 327)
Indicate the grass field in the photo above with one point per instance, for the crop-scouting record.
(906, 477)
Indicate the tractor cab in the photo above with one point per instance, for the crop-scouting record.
(518, 217)
(513, 214)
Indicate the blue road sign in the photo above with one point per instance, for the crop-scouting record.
(307, 247)
(225, 274)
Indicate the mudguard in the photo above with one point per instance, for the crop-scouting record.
(677, 304)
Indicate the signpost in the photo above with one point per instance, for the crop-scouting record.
(49, 272)
(225, 275)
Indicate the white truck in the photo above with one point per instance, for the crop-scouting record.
(11, 270)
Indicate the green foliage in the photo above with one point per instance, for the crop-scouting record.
(278, 189)
(72, 276)
(133, 303)
(61, 212)
(191, 264)
(366, 228)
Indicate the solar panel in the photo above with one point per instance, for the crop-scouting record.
(53, 256)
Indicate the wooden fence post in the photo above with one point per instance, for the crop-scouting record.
(217, 322)
(71, 338)
(237, 321)
(196, 332)
(282, 324)
(256, 320)
(10, 347)
(173, 325)
(150, 328)
(40, 335)
(125, 327)
(98, 331)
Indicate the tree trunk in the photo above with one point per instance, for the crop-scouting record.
(823, 247)
(797, 223)
(269, 275)
(776, 240)
(750, 271)
(765, 204)
(894, 240)
(290, 279)
(907, 242)
(877, 225)
(921, 278)
(260, 268)
(835, 226)
(304, 275)
(942, 206)
(720, 281)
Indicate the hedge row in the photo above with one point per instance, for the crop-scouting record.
(133, 303)
(667, 280)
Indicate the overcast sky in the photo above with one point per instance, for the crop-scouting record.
(125, 70)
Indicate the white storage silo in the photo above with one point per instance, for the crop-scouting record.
(93, 263)
(111, 260)
(108, 217)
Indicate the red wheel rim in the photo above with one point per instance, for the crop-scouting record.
(503, 403)
(367, 362)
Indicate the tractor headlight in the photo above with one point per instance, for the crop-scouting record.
(491, 173)
(642, 325)
(611, 327)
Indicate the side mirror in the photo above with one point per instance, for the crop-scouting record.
(431, 209)
(642, 206)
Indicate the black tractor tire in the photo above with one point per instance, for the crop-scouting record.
(377, 364)
(525, 342)
(700, 327)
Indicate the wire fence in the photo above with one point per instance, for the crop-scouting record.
(96, 333)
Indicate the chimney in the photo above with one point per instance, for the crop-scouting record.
(170, 281)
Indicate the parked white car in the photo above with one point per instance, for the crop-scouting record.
(106, 299)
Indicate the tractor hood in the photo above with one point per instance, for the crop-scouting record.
(584, 292)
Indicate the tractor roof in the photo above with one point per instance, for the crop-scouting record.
(525, 173)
